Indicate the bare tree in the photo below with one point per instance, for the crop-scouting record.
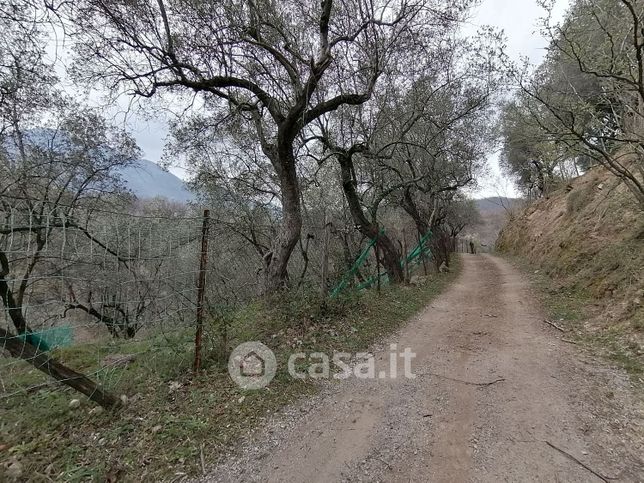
(55, 157)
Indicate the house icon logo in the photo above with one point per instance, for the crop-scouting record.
(252, 365)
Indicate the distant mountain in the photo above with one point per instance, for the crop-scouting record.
(144, 178)
(147, 180)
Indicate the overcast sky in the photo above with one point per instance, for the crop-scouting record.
(517, 18)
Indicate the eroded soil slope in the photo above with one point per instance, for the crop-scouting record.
(588, 237)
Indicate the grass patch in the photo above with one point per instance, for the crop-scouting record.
(171, 417)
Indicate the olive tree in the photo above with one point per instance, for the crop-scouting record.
(418, 140)
(266, 69)
(591, 86)
(55, 157)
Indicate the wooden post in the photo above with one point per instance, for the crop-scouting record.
(201, 286)
(325, 260)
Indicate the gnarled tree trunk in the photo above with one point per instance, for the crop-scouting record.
(390, 255)
(276, 261)
(438, 243)
(408, 204)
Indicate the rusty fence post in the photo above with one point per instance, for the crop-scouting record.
(324, 289)
(201, 288)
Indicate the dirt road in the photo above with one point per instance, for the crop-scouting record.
(498, 397)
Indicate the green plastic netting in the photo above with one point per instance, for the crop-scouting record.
(48, 339)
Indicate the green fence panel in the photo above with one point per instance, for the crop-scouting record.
(354, 268)
(414, 255)
(48, 339)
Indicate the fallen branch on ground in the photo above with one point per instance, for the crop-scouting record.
(21, 349)
(469, 383)
(571, 457)
(552, 324)
(606, 479)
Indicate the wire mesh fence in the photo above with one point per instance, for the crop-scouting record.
(102, 281)
(99, 287)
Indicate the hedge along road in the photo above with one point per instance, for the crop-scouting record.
(498, 396)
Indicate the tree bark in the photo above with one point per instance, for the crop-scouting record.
(276, 261)
(13, 309)
(409, 205)
(40, 360)
(438, 245)
(387, 249)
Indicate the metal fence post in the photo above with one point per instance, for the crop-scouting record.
(201, 286)
(324, 289)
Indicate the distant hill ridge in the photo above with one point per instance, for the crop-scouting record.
(148, 180)
(495, 204)
(494, 213)
(144, 178)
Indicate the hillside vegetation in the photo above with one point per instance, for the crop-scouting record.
(587, 239)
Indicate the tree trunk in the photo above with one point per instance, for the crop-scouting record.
(440, 242)
(411, 209)
(40, 360)
(541, 180)
(387, 249)
(276, 261)
(14, 310)
(115, 328)
(349, 258)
